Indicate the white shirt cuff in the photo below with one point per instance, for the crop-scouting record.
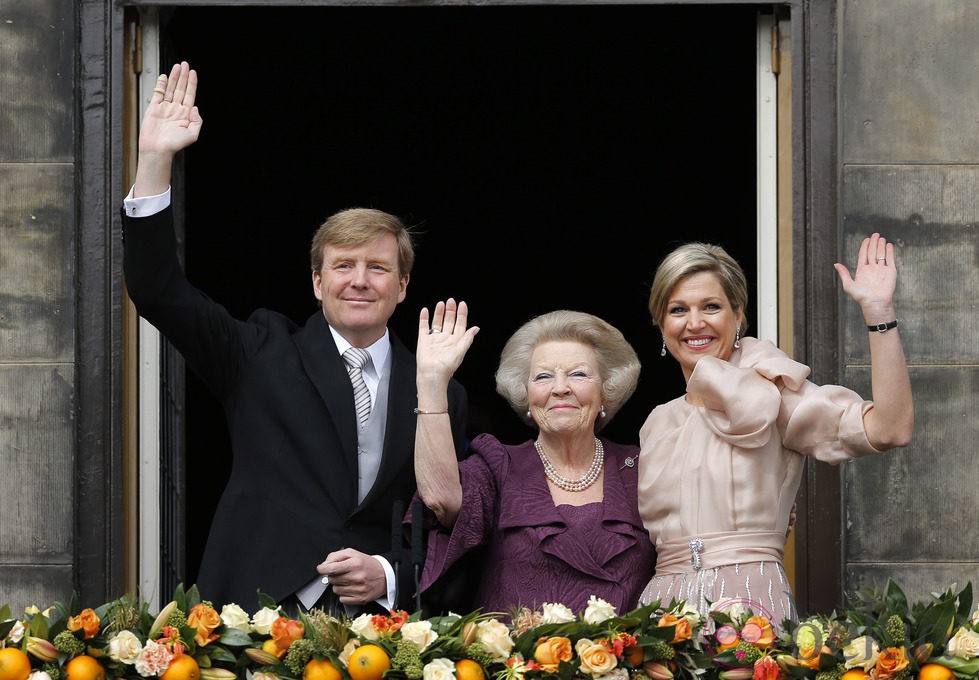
(144, 206)
(387, 602)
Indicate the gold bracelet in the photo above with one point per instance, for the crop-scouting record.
(420, 412)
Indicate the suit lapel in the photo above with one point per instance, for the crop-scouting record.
(326, 370)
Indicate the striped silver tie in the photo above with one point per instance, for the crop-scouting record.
(356, 359)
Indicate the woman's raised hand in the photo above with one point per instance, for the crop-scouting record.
(443, 342)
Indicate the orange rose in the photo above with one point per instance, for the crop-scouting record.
(205, 620)
(766, 668)
(682, 631)
(86, 620)
(809, 657)
(285, 631)
(552, 651)
(758, 631)
(596, 659)
(892, 661)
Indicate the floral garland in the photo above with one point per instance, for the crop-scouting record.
(877, 636)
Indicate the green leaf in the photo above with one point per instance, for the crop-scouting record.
(234, 637)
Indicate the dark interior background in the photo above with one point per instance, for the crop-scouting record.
(549, 156)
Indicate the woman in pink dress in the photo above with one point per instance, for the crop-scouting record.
(720, 467)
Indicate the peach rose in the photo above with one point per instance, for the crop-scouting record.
(86, 620)
(892, 661)
(205, 619)
(552, 651)
(758, 631)
(285, 631)
(682, 631)
(596, 659)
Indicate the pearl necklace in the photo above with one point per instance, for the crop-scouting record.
(582, 482)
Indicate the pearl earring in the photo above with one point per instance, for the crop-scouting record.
(662, 351)
(528, 413)
(602, 412)
(737, 338)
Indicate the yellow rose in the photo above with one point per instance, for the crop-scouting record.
(596, 659)
(205, 620)
(552, 651)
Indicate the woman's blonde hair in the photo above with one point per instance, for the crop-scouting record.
(693, 258)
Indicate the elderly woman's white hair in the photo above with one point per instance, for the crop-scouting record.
(617, 360)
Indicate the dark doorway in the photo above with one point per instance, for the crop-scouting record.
(551, 155)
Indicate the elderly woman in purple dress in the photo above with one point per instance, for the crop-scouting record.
(556, 515)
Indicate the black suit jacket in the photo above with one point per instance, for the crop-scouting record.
(291, 497)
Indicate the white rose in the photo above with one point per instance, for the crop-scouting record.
(598, 610)
(420, 633)
(975, 617)
(16, 633)
(125, 647)
(553, 612)
(862, 651)
(363, 627)
(439, 669)
(495, 638)
(38, 675)
(735, 609)
(234, 616)
(263, 620)
(964, 644)
(687, 611)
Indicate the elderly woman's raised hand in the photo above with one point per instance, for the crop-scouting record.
(443, 342)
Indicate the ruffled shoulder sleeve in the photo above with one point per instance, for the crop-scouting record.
(742, 397)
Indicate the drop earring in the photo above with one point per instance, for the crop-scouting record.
(737, 337)
(662, 352)
(601, 413)
(528, 413)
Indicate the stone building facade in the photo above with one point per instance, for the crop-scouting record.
(883, 135)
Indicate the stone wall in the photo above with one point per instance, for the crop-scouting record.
(37, 300)
(909, 168)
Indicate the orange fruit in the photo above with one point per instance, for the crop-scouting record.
(273, 649)
(368, 662)
(855, 674)
(321, 669)
(935, 671)
(84, 667)
(182, 667)
(14, 664)
(634, 655)
(467, 669)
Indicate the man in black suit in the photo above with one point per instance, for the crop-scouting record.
(321, 461)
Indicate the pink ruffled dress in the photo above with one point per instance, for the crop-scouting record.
(716, 483)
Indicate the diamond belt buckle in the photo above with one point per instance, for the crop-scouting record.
(696, 547)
